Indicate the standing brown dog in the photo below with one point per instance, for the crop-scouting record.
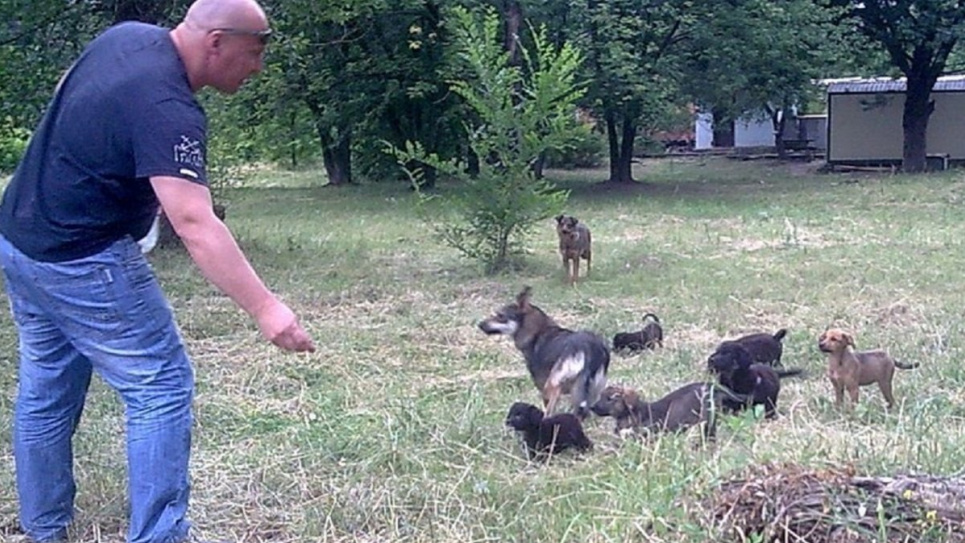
(574, 245)
(849, 369)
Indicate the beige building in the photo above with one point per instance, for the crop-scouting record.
(864, 121)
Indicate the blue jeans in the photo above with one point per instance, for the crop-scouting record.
(105, 314)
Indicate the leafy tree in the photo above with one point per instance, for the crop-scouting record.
(919, 36)
(364, 69)
(630, 46)
(761, 55)
(522, 111)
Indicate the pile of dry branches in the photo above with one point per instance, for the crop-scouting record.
(786, 503)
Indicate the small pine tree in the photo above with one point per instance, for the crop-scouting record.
(521, 112)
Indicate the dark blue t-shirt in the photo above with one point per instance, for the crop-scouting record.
(123, 112)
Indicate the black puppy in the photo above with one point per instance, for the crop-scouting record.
(546, 436)
(764, 348)
(650, 337)
(736, 370)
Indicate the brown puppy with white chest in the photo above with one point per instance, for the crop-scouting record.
(849, 369)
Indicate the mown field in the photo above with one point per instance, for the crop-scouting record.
(393, 430)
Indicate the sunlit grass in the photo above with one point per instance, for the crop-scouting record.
(393, 430)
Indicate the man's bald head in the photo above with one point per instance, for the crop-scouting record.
(241, 14)
(222, 42)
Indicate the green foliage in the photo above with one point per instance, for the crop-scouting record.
(39, 39)
(252, 126)
(13, 143)
(520, 114)
(587, 150)
(632, 49)
(792, 43)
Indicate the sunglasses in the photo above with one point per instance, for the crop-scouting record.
(262, 35)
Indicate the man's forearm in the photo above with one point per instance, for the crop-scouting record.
(216, 253)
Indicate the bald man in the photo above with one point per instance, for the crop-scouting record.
(123, 135)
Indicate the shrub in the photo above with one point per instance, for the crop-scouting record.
(520, 114)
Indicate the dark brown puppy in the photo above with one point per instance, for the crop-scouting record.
(559, 360)
(849, 369)
(575, 241)
(736, 370)
(689, 405)
(650, 337)
(546, 436)
(764, 348)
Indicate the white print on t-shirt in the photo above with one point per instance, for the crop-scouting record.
(188, 152)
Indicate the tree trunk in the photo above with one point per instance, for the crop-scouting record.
(337, 155)
(514, 18)
(914, 122)
(723, 134)
(293, 149)
(539, 166)
(621, 145)
(723, 128)
(778, 120)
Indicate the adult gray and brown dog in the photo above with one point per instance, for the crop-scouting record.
(560, 361)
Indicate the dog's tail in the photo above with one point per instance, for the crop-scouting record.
(779, 335)
(793, 372)
(909, 366)
(651, 315)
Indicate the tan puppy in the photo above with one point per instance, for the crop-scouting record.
(849, 369)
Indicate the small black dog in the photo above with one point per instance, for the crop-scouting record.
(650, 337)
(547, 436)
(764, 348)
(736, 370)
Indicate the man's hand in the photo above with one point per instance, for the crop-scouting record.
(279, 325)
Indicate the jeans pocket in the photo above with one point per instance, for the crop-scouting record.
(141, 300)
(86, 295)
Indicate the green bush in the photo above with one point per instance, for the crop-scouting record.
(587, 150)
(13, 143)
(522, 113)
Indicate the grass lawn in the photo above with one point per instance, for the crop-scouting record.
(393, 430)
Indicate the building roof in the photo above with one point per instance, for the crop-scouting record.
(887, 84)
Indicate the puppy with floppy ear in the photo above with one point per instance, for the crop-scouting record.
(546, 436)
(736, 370)
(687, 406)
(849, 370)
(575, 241)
